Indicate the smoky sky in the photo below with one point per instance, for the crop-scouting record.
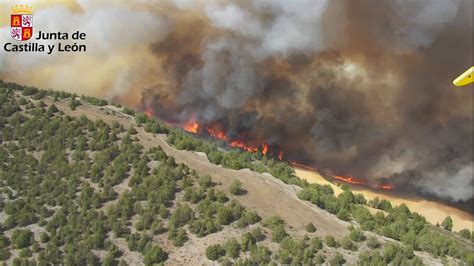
(362, 88)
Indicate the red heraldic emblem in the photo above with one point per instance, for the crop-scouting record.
(21, 23)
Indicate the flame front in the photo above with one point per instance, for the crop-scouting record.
(191, 126)
(215, 130)
(300, 165)
(243, 146)
(350, 180)
(384, 186)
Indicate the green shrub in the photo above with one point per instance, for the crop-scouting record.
(28, 91)
(224, 216)
(73, 103)
(22, 238)
(141, 118)
(465, 233)
(372, 242)
(236, 187)
(4, 241)
(128, 111)
(357, 235)
(343, 214)
(316, 243)
(5, 254)
(447, 223)
(44, 237)
(181, 216)
(273, 221)
(94, 101)
(132, 131)
(247, 241)
(319, 258)
(155, 255)
(205, 181)
(248, 217)
(260, 255)
(346, 243)
(330, 241)
(258, 234)
(214, 252)
(278, 233)
(178, 237)
(310, 228)
(232, 248)
(337, 260)
(25, 252)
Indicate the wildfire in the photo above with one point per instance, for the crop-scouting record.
(216, 132)
(355, 181)
(384, 186)
(191, 126)
(300, 165)
(149, 112)
(350, 180)
(264, 149)
(243, 146)
(280, 155)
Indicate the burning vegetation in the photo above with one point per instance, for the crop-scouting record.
(369, 99)
(216, 132)
(191, 126)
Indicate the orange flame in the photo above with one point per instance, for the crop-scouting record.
(149, 112)
(191, 126)
(215, 132)
(243, 146)
(385, 186)
(303, 166)
(280, 155)
(264, 149)
(350, 180)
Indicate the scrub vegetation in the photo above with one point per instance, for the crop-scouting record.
(82, 191)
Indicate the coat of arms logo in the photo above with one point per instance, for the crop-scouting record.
(21, 22)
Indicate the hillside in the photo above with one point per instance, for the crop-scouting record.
(434, 212)
(86, 182)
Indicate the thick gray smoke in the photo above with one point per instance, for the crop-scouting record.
(360, 88)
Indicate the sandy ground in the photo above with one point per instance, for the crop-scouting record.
(433, 211)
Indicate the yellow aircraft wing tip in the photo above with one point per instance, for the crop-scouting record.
(465, 78)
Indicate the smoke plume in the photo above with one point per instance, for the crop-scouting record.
(361, 88)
